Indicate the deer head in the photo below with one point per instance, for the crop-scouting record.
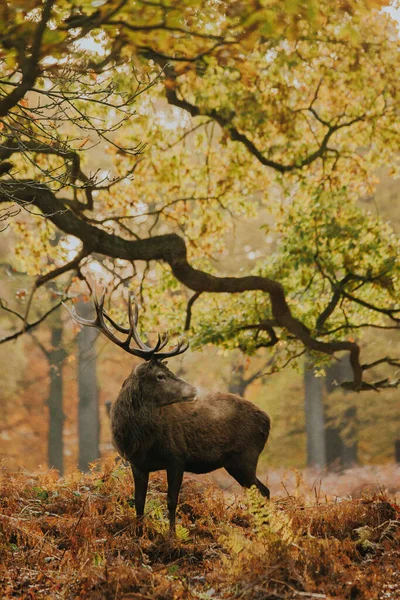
(150, 385)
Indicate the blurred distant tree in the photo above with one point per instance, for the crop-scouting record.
(341, 437)
(55, 356)
(250, 109)
(397, 450)
(315, 418)
(241, 377)
(88, 408)
(239, 383)
(330, 441)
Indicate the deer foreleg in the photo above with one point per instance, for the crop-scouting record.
(174, 477)
(141, 479)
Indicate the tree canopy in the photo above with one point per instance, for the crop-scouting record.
(138, 136)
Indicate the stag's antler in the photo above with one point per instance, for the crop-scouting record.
(144, 351)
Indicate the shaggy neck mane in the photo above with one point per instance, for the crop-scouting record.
(132, 417)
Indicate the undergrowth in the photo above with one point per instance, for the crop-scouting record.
(75, 538)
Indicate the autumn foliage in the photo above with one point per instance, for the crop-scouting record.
(75, 538)
(221, 159)
(144, 131)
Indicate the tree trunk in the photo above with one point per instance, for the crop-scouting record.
(334, 447)
(397, 451)
(55, 357)
(88, 410)
(315, 421)
(341, 451)
(350, 445)
(237, 384)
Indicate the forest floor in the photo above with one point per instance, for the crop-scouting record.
(74, 538)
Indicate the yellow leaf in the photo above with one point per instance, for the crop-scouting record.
(376, 3)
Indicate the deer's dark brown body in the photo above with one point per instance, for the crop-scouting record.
(159, 423)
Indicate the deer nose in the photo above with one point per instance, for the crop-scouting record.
(191, 393)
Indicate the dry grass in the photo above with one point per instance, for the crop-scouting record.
(75, 538)
(323, 485)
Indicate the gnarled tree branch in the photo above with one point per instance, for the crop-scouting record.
(30, 68)
(171, 249)
(238, 136)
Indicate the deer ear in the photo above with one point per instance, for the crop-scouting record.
(164, 362)
(140, 368)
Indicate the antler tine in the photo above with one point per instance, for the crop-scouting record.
(133, 321)
(164, 342)
(181, 347)
(132, 298)
(157, 345)
(100, 324)
(116, 325)
(100, 303)
(81, 320)
(100, 312)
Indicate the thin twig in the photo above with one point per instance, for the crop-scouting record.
(29, 326)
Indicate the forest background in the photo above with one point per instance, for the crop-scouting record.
(235, 165)
(266, 136)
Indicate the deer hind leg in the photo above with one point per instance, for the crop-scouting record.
(141, 479)
(246, 476)
(174, 477)
(264, 491)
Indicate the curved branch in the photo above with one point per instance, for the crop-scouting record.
(171, 249)
(237, 136)
(13, 146)
(189, 307)
(30, 67)
(7, 213)
(73, 264)
(375, 387)
(385, 311)
(159, 56)
(28, 326)
(42, 279)
(394, 362)
(259, 373)
(268, 326)
(234, 133)
(349, 327)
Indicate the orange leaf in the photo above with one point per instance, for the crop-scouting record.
(170, 84)
(83, 142)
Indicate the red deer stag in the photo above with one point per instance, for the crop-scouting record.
(158, 422)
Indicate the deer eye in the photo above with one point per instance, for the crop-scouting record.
(161, 377)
